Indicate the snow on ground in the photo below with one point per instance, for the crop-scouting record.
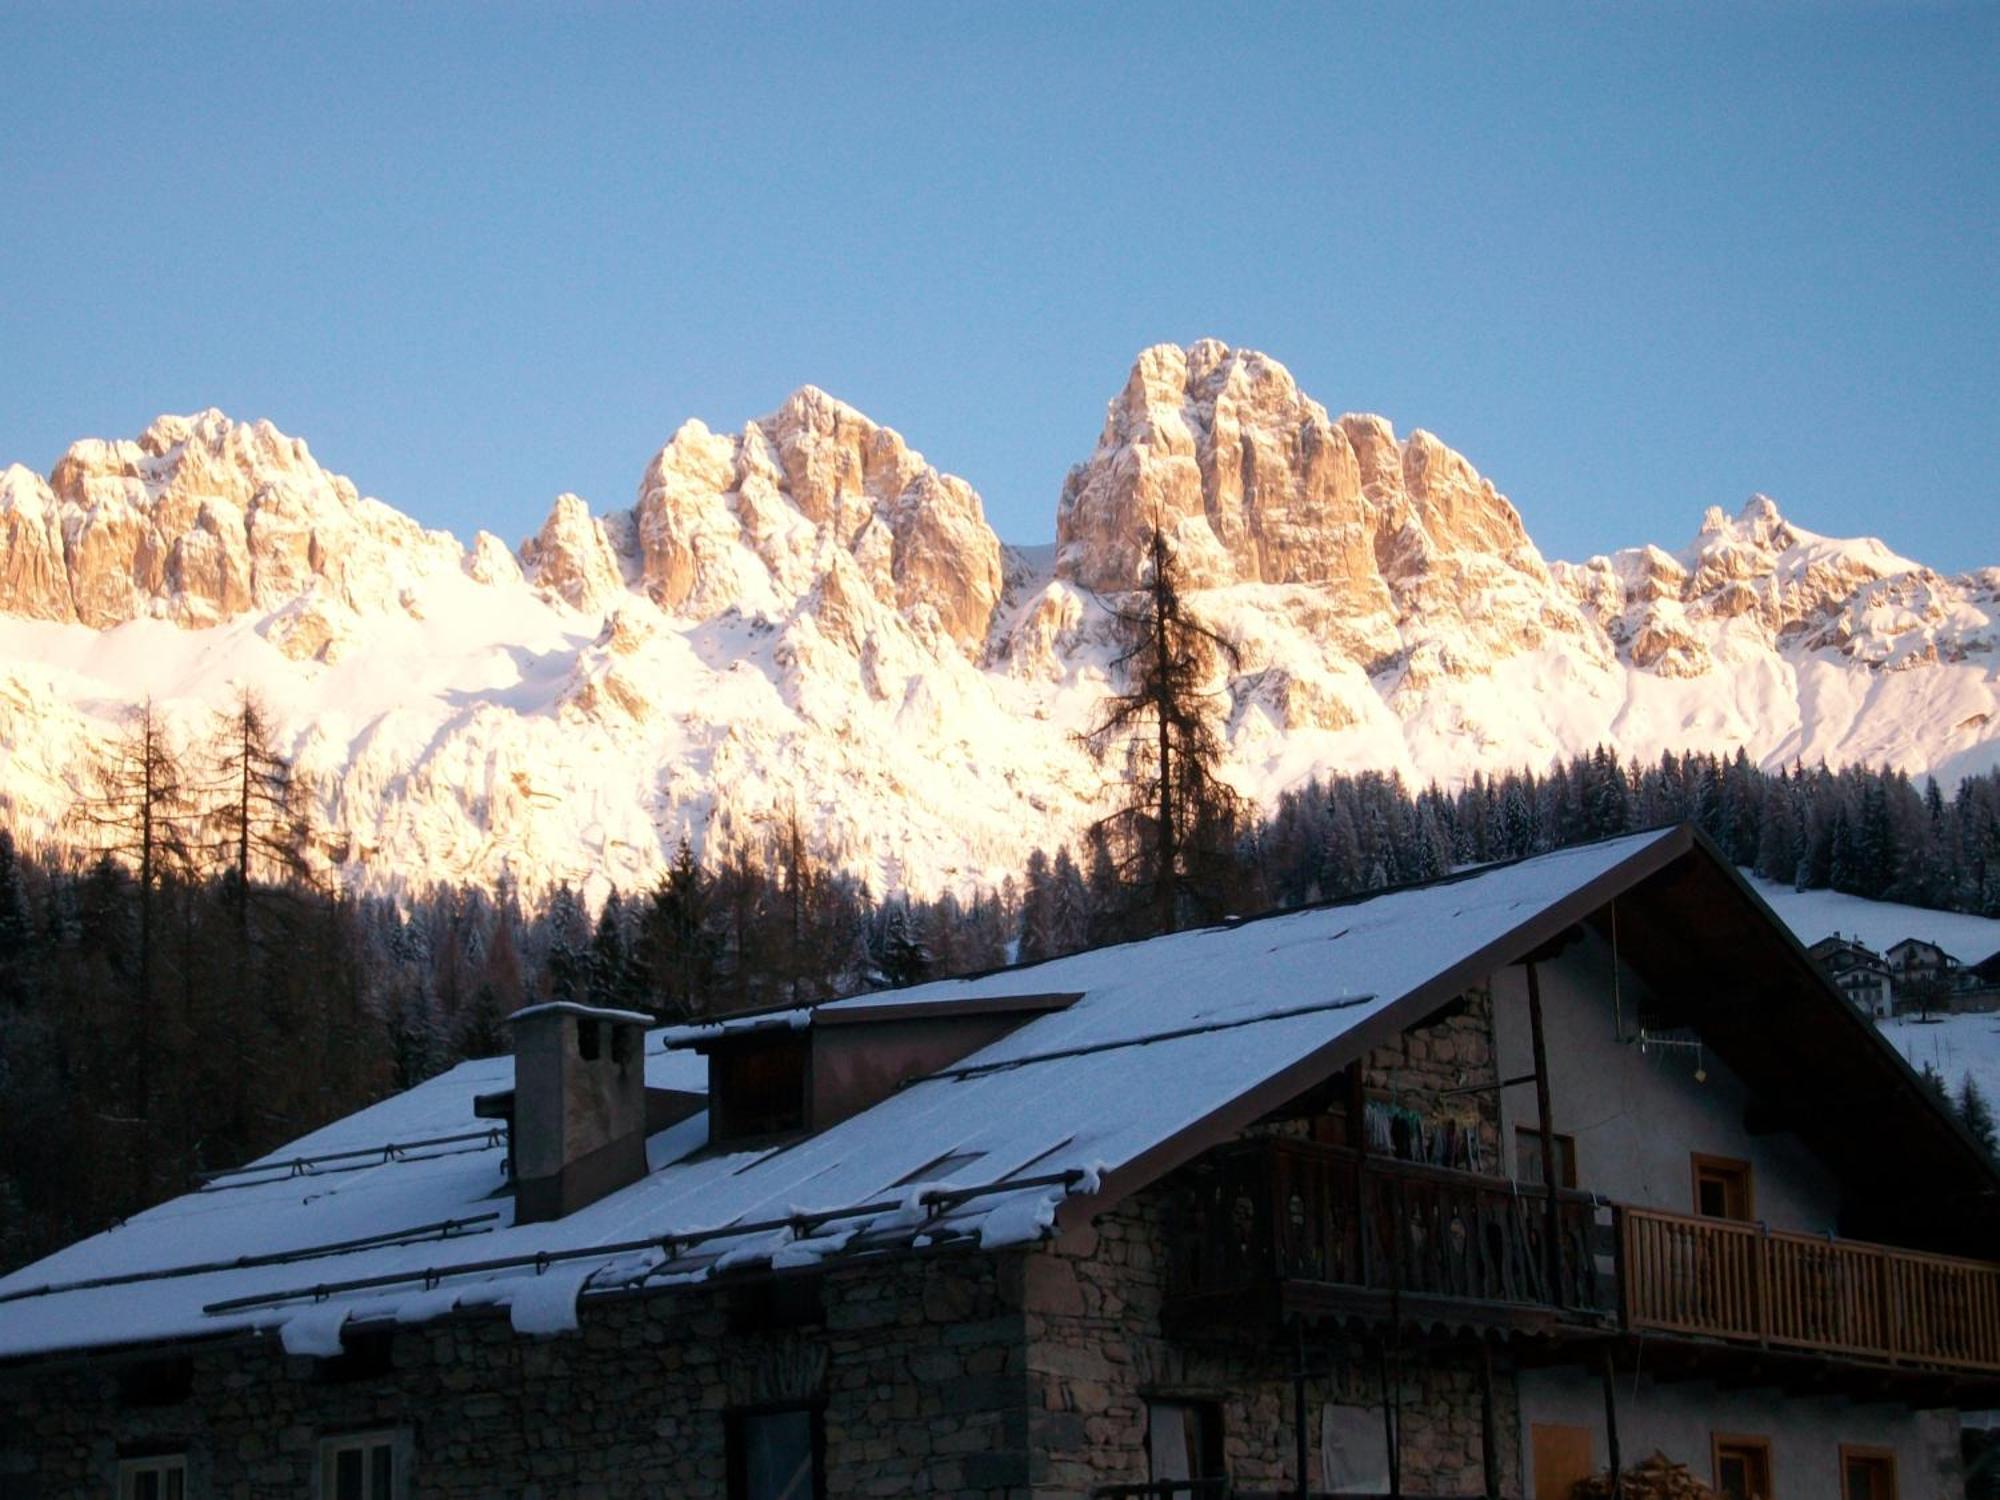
(1954, 1045)
(1813, 914)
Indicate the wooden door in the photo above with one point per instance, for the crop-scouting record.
(1561, 1459)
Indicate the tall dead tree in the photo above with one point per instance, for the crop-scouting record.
(255, 820)
(1180, 818)
(254, 827)
(135, 810)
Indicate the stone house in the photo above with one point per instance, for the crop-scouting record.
(1469, 1188)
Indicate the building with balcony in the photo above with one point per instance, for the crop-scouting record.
(1471, 1188)
(1860, 973)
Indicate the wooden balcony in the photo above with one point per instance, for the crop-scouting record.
(1273, 1227)
(1330, 1229)
(1745, 1284)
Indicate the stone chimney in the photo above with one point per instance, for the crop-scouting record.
(578, 1114)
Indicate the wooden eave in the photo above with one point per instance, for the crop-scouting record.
(1912, 1171)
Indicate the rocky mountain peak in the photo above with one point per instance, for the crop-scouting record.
(198, 519)
(1399, 553)
(572, 557)
(1256, 484)
(742, 521)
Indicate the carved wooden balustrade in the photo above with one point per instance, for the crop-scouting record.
(1279, 1210)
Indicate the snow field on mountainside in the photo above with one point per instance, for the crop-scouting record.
(803, 617)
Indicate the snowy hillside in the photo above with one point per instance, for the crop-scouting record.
(803, 615)
(1954, 1045)
(1812, 915)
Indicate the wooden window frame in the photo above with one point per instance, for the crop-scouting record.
(131, 1466)
(1700, 1161)
(1717, 1441)
(1865, 1452)
(736, 1477)
(401, 1458)
(1565, 1153)
(1212, 1424)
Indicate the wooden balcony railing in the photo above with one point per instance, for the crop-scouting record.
(1744, 1283)
(1292, 1211)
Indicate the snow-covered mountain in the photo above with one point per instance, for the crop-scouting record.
(804, 615)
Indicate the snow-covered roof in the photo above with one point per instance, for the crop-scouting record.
(1166, 1043)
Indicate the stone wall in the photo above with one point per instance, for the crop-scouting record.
(919, 1364)
(1424, 1068)
(1097, 1351)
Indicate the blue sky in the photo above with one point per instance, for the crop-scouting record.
(1631, 261)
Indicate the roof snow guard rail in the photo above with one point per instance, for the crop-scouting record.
(362, 1156)
(443, 1229)
(671, 1245)
(1144, 1039)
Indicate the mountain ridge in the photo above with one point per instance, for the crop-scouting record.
(803, 614)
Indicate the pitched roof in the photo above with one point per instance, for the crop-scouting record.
(1171, 1044)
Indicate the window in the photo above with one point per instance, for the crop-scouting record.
(757, 1086)
(1184, 1440)
(1528, 1157)
(361, 1466)
(1561, 1456)
(1353, 1452)
(160, 1477)
(1742, 1468)
(777, 1453)
(1867, 1474)
(1722, 1188)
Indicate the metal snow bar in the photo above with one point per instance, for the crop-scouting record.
(300, 1166)
(443, 1229)
(977, 1070)
(670, 1244)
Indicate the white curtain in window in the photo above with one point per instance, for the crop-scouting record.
(1353, 1450)
(1167, 1440)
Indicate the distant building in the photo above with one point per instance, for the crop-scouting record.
(1977, 986)
(1471, 1188)
(1860, 972)
(1916, 959)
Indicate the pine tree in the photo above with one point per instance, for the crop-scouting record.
(1179, 823)
(901, 955)
(1976, 1114)
(679, 947)
(17, 928)
(1069, 906)
(566, 970)
(1933, 1081)
(1036, 939)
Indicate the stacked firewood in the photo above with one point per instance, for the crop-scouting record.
(1658, 1478)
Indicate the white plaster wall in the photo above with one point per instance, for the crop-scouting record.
(1805, 1433)
(1637, 1117)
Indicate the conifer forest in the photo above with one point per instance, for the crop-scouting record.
(179, 992)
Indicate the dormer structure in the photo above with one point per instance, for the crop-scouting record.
(804, 1070)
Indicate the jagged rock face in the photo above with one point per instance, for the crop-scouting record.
(34, 580)
(571, 557)
(806, 616)
(1403, 544)
(751, 522)
(1757, 580)
(198, 520)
